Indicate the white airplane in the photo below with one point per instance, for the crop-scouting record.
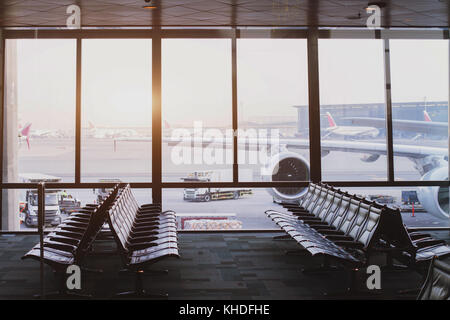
(349, 131)
(46, 133)
(286, 165)
(104, 133)
(425, 127)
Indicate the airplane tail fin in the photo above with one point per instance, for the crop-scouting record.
(166, 125)
(331, 122)
(91, 125)
(25, 132)
(426, 116)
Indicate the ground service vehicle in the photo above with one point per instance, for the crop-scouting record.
(68, 204)
(103, 192)
(29, 201)
(208, 194)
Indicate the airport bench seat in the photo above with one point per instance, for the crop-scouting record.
(354, 223)
(437, 282)
(70, 241)
(144, 235)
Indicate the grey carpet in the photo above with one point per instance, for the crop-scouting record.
(212, 266)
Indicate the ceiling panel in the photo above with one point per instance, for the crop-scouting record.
(332, 13)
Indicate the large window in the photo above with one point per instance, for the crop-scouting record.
(352, 86)
(223, 211)
(40, 109)
(420, 91)
(272, 108)
(196, 105)
(419, 206)
(116, 110)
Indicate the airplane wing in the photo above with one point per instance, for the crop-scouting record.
(373, 148)
(410, 151)
(433, 128)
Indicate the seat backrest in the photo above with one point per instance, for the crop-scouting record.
(97, 218)
(341, 213)
(369, 232)
(350, 216)
(309, 204)
(437, 283)
(307, 197)
(314, 199)
(315, 210)
(335, 205)
(359, 220)
(329, 198)
(118, 222)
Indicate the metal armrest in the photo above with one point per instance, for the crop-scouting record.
(60, 246)
(65, 240)
(428, 243)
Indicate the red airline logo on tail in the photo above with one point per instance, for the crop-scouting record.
(426, 116)
(25, 132)
(166, 125)
(331, 122)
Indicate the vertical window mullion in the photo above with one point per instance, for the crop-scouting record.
(156, 117)
(314, 105)
(388, 100)
(78, 112)
(234, 105)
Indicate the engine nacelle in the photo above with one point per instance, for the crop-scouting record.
(435, 199)
(287, 166)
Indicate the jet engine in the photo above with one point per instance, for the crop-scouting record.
(287, 166)
(435, 199)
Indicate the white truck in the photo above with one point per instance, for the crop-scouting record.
(28, 205)
(208, 194)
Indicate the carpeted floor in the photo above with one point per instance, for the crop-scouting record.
(212, 266)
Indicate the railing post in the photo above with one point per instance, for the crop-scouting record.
(41, 223)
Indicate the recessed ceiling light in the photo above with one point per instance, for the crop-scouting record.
(150, 5)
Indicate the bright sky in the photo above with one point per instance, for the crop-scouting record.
(272, 77)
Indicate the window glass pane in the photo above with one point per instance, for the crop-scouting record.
(420, 85)
(196, 109)
(272, 110)
(419, 206)
(116, 110)
(40, 109)
(223, 211)
(352, 91)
